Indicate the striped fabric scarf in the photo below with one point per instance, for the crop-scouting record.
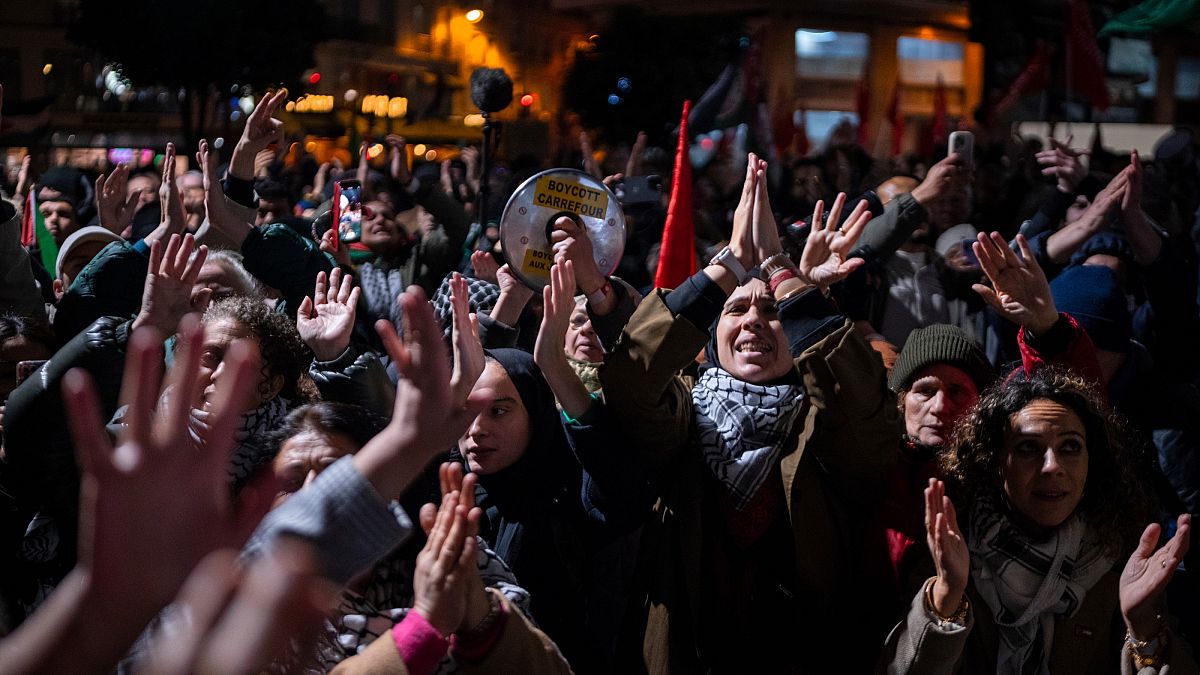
(1026, 583)
(742, 427)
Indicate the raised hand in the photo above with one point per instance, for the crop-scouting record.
(1147, 574)
(364, 163)
(634, 166)
(1019, 291)
(1131, 202)
(398, 159)
(549, 352)
(339, 253)
(112, 204)
(445, 565)
(174, 220)
(452, 479)
(326, 320)
(741, 242)
(514, 295)
(220, 216)
(589, 156)
(764, 230)
(21, 190)
(464, 335)
(485, 266)
(135, 496)
(168, 295)
(261, 130)
(951, 558)
(570, 241)
(942, 180)
(425, 420)
(825, 260)
(470, 157)
(1062, 162)
(558, 304)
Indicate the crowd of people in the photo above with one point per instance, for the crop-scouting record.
(926, 417)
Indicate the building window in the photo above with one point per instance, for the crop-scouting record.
(820, 124)
(831, 55)
(923, 60)
(829, 67)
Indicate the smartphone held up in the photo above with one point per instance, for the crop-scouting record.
(347, 211)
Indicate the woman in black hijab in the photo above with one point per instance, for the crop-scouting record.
(530, 492)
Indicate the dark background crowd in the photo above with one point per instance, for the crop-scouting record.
(936, 412)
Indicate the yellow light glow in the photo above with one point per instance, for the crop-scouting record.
(419, 149)
(313, 103)
(374, 151)
(431, 155)
(474, 16)
(397, 107)
(926, 33)
(47, 68)
(310, 146)
(473, 120)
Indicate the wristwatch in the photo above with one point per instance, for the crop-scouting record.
(729, 261)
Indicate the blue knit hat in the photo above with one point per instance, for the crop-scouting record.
(1091, 294)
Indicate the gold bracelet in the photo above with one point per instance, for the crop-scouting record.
(959, 616)
(1138, 648)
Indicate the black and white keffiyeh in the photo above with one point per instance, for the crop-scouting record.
(1026, 583)
(250, 450)
(742, 428)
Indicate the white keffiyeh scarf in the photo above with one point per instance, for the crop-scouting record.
(1027, 583)
(742, 427)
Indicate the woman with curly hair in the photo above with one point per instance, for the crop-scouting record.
(1052, 503)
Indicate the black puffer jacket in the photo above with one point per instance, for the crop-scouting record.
(41, 471)
(356, 377)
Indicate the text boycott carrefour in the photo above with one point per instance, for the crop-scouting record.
(563, 195)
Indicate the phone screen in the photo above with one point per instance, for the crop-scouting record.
(347, 201)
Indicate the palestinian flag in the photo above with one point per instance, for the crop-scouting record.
(33, 230)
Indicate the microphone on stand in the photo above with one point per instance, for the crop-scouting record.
(491, 92)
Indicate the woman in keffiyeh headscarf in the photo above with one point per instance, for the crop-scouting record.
(767, 466)
(1041, 579)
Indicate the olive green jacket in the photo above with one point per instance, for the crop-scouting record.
(841, 446)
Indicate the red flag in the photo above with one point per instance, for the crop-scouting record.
(677, 256)
(940, 134)
(862, 102)
(897, 119)
(1035, 76)
(28, 216)
(1085, 63)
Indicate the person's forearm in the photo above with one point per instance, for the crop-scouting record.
(570, 391)
(1143, 238)
(1061, 245)
(241, 164)
(508, 308)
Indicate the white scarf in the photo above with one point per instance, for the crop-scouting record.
(1027, 583)
(742, 427)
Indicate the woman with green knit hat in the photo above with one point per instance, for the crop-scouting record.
(940, 374)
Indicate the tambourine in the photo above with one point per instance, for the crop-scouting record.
(529, 217)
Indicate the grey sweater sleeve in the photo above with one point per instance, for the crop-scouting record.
(920, 645)
(348, 522)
